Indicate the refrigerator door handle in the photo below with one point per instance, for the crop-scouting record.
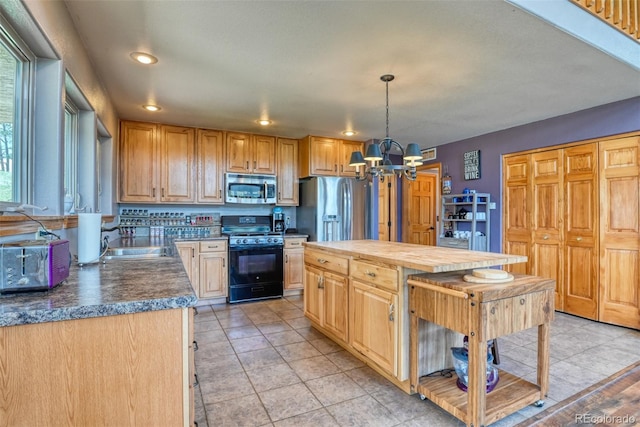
(347, 211)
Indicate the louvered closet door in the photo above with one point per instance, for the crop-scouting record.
(619, 164)
(547, 219)
(516, 211)
(581, 230)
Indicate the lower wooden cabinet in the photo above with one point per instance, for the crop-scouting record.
(129, 369)
(293, 264)
(373, 327)
(206, 263)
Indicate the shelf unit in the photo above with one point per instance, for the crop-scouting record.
(464, 230)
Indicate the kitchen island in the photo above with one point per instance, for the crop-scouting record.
(112, 345)
(356, 293)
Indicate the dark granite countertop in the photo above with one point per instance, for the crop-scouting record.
(118, 286)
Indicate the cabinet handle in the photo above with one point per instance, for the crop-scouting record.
(154, 191)
(196, 383)
(247, 164)
(391, 312)
(322, 261)
(213, 247)
(255, 164)
(579, 239)
(320, 282)
(286, 258)
(193, 253)
(220, 194)
(370, 273)
(341, 168)
(224, 263)
(162, 192)
(195, 345)
(335, 168)
(545, 237)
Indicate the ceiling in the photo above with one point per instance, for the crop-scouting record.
(463, 68)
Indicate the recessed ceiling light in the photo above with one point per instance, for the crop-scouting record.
(151, 107)
(349, 132)
(143, 58)
(264, 122)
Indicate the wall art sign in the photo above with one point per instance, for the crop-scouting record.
(472, 165)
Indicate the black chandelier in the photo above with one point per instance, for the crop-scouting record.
(378, 154)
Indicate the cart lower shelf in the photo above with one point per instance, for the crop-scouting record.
(510, 395)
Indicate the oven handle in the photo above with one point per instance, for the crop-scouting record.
(265, 191)
(260, 248)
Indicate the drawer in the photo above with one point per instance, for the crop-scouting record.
(334, 263)
(381, 276)
(451, 242)
(213, 246)
(294, 242)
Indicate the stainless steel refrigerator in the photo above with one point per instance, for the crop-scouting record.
(334, 208)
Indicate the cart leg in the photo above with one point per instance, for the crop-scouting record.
(543, 359)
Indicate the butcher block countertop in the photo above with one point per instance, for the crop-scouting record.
(430, 259)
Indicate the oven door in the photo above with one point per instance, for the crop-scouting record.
(255, 273)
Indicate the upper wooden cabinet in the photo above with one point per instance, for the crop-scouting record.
(248, 153)
(287, 172)
(321, 156)
(156, 163)
(210, 160)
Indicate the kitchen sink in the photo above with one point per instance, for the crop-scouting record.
(135, 252)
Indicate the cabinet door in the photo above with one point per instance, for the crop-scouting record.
(238, 152)
(323, 153)
(263, 155)
(581, 230)
(293, 268)
(373, 325)
(335, 304)
(188, 252)
(213, 275)
(138, 162)
(619, 165)
(287, 172)
(346, 148)
(178, 150)
(516, 211)
(547, 219)
(210, 155)
(313, 294)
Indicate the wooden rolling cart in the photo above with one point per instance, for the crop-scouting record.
(482, 312)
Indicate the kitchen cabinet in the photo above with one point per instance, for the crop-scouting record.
(287, 172)
(128, 369)
(156, 163)
(573, 210)
(206, 265)
(326, 284)
(253, 154)
(210, 171)
(470, 231)
(293, 264)
(321, 156)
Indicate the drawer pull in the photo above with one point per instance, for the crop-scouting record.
(294, 243)
(322, 261)
(522, 301)
(370, 273)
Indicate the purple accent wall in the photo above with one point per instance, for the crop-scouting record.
(609, 119)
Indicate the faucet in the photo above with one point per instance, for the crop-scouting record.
(115, 227)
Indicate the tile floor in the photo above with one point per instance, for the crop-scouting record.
(261, 364)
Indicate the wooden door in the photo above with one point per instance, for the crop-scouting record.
(516, 211)
(138, 162)
(323, 153)
(581, 230)
(372, 324)
(313, 294)
(287, 172)
(213, 275)
(346, 148)
(387, 203)
(188, 254)
(238, 149)
(210, 160)
(419, 210)
(619, 170)
(547, 219)
(263, 155)
(178, 151)
(335, 305)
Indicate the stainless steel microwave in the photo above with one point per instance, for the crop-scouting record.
(250, 189)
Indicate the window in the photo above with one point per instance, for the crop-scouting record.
(15, 68)
(70, 154)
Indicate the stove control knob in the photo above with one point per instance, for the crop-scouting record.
(269, 240)
(244, 240)
(257, 241)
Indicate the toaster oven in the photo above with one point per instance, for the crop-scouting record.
(33, 265)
